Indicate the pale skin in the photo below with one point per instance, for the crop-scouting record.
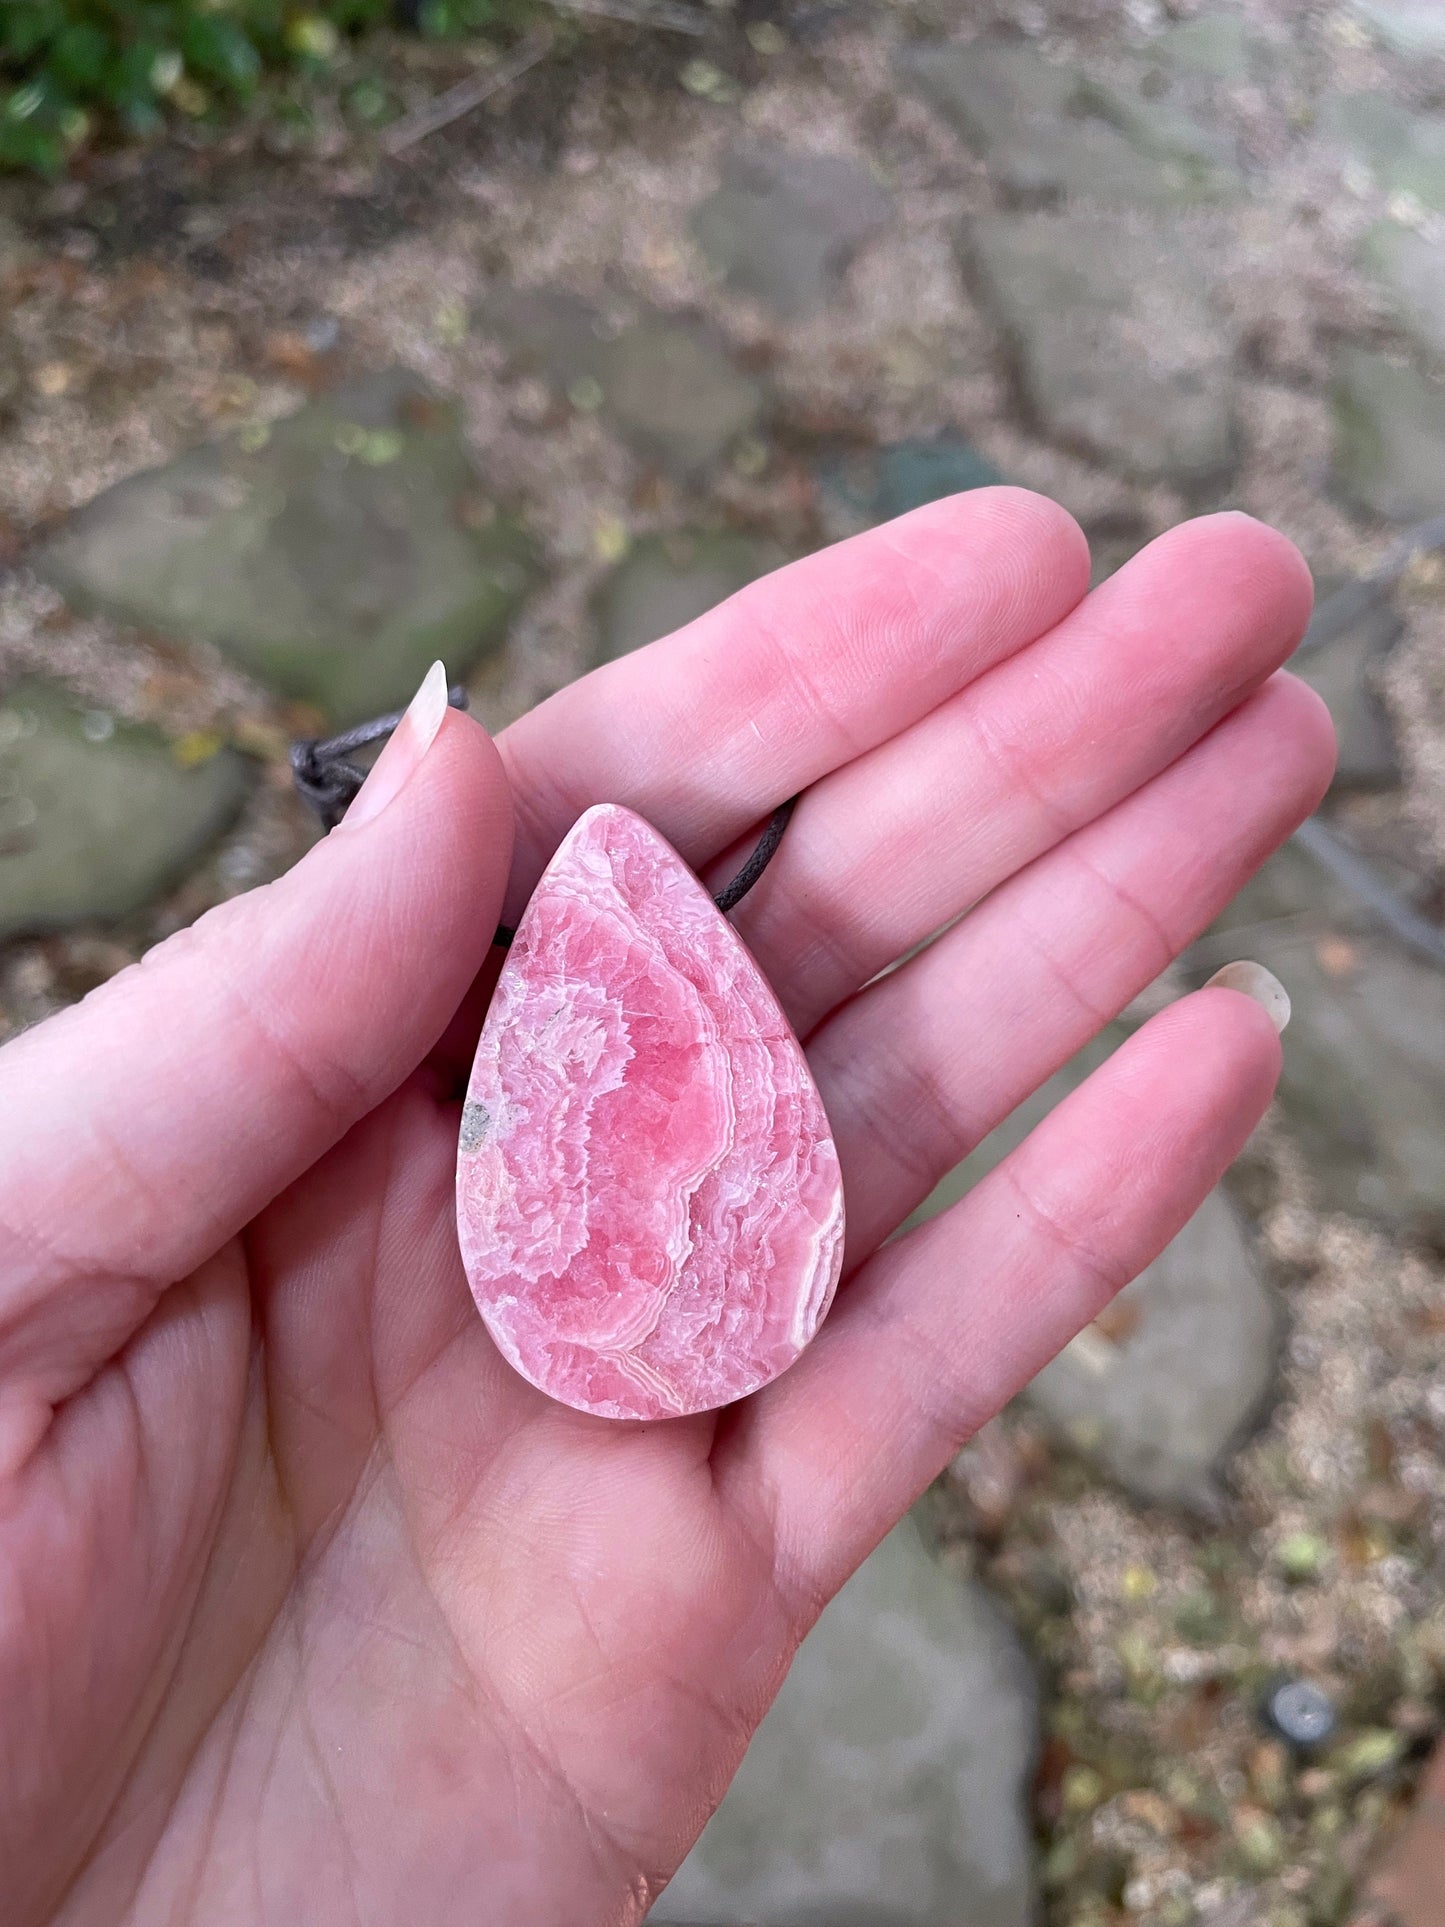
(310, 1609)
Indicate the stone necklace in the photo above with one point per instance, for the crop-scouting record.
(649, 1203)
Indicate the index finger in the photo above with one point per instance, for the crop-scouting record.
(708, 730)
(142, 1128)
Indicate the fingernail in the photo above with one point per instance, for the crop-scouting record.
(409, 742)
(1257, 982)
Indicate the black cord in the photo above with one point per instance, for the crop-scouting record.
(324, 777)
(327, 781)
(729, 897)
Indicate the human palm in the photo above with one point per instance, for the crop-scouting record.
(310, 1608)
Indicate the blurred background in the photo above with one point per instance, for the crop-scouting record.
(335, 337)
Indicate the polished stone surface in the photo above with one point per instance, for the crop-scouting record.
(648, 1196)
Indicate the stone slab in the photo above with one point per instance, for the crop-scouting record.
(335, 556)
(1120, 349)
(1049, 132)
(1345, 670)
(1402, 150)
(860, 488)
(1164, 1385)
(666, 383)
(97, 816)
(1389, 453)
(784, 224)
(1410, 28)
(666, 581)
(1409, 268)
(887, 1787)
(1363, 1088)
(1215, 48)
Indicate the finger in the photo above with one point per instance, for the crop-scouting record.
(885, 850)
(941, 1328)
(922, 1065)
(705, 732)
(145, 1126)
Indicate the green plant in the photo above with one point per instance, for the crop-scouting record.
(72, 68)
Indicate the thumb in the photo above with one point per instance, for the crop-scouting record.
(144, 1127)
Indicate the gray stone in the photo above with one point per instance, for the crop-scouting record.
(1213, 47)
(1049, 133)
(675, 395)
(1389, 455)
(1345, 670)
(97, 816)
(1407, 27)
(1404, 151)
(1014, 109)
(888, 1785)
(666, 384)
(863, 487)
(666, 581)
(1120, 349)
(784, 225)
(986, 88)
(1159, 130)
(335, 558)
(1363, 1089)
(1162, 1388)
(547, 332)
(1410, 269)
(1164, 1385)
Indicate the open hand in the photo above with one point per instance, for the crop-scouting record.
(310, 1608)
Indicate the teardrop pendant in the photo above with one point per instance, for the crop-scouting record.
(649, 1201)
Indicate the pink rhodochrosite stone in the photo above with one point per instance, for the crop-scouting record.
(648, 1197)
